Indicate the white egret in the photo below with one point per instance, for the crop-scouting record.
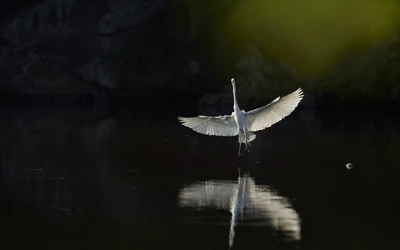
(243, 123)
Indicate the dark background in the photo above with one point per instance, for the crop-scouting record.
(160, 54)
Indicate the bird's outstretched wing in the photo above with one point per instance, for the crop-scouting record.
(268, 115)
(224, 125)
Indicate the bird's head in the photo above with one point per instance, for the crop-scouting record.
(233, 84)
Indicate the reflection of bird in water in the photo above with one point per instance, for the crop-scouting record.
(243, 123)
(237, 207)
(245, 200)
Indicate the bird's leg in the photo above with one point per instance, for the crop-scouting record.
(245, 139)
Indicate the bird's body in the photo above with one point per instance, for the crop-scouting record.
(243, 123)
(245, 136)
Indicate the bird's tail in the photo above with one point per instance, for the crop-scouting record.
(246, 137)
(250, 136)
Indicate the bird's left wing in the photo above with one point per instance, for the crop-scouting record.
(268, 115)
(223, 125)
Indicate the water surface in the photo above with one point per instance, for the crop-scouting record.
(85, 180)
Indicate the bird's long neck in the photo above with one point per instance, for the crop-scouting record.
(235, 104)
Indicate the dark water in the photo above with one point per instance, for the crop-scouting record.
(81, 180)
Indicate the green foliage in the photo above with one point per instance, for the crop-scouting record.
(376, 75)
(261, 78)
(368, 75)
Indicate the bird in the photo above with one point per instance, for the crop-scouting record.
(241, 123)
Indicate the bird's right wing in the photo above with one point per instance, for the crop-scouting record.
(211, 125)
(268, 115)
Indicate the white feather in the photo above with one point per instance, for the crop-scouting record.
(211, 125)
(268, 115)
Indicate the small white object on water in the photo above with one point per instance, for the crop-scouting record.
(349, 165)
